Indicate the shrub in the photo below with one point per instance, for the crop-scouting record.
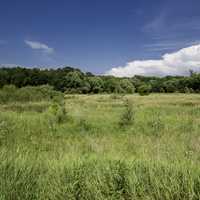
(10, 94)
(144, 90)
(127, 116)
(58, 111)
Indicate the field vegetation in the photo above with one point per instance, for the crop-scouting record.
(105, 146)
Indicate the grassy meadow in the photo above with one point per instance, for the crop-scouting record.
(105, 147)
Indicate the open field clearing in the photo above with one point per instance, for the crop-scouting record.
(100, 100)
(106, 147)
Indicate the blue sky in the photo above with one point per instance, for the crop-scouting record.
(93, 35)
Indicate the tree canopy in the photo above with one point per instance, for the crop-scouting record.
(72, 80)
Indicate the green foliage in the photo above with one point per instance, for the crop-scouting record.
(170, 86)
(156, 157)
(96, 180)
(85, 89)
(57, 111)
(73, 81)
(96, 84)
(9, 94)
(84, 125)
(127, 86)
(144, 90)
(127, 117)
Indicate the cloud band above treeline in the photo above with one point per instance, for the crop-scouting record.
(176, 63)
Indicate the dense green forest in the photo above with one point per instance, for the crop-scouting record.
(72, 80)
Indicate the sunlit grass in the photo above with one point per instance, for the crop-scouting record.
(89, 156)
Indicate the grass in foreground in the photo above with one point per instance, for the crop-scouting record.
(91, 156)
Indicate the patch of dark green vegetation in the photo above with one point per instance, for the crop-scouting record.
(74, 81)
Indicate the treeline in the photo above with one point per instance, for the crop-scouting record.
(71, 80)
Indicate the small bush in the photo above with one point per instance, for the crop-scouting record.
(58, 111)
(127, 116)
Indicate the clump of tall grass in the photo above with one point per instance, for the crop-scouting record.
(128, 115)
(97, 179)
(85, 125)
(19, 107)
(58, 111)
(116, 96)
(155, 124)
(6, 130)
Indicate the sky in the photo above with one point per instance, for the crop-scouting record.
(114, 37)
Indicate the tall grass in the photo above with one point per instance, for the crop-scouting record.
(87, 155)
(127, 117)
(97, 179)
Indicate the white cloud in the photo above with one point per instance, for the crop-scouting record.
(176, 63)
(39, 46)
(9, 65)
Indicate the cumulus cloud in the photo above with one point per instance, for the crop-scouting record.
(176, 63)
(39, 46)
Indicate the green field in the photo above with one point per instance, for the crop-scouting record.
(94, 154)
